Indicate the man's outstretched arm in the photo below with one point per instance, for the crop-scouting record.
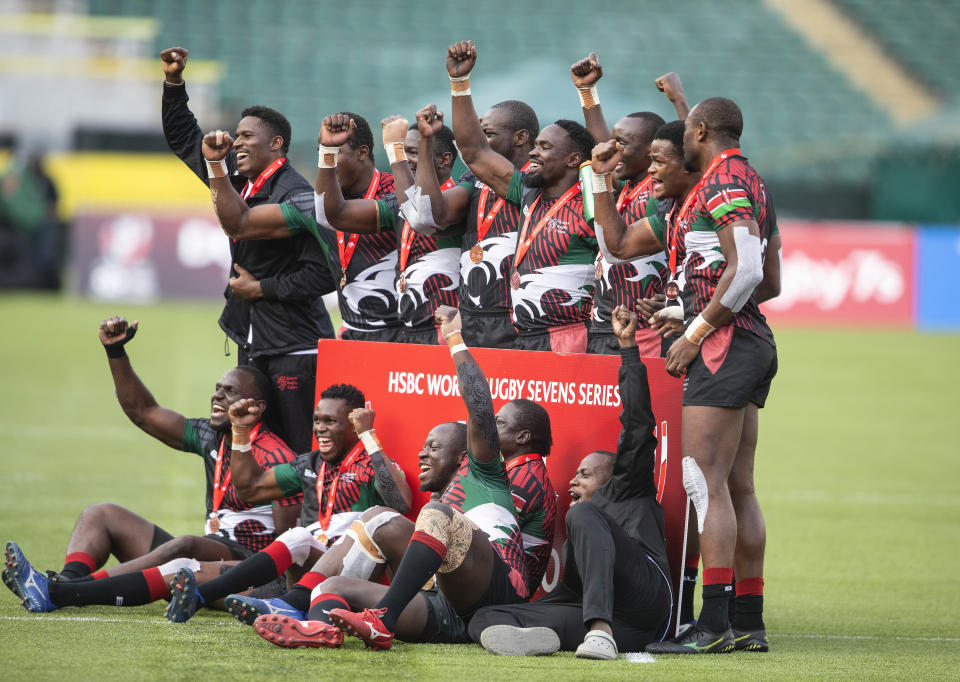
(389, 478)
(483, 442)
(136, 400)
(253, 484)
(586, 73)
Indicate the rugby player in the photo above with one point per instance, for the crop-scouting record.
(552, 274)
(235, 529)
(273, 310)
(615, 592)
(346, 475)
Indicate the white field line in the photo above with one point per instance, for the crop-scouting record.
(217, 623)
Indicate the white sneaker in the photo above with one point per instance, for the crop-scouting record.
(598, 645)
(509, 640)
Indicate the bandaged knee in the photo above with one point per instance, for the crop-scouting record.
(300, 541)
(175, 565)
(696, 486)
(453, 532)
(364, 555)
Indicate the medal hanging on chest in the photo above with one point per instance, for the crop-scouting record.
(515, 279)
(402, 284)
(221, 481)
(598, 271)
(345, 246)
(476, 253)
(524, 241)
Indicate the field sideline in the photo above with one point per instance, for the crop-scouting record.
(857, 471)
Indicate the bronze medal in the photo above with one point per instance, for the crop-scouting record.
(214, 523)
(515, 279)
(598, 272)
(343, 281)
(476, 253)
(672, 290)
(402, 284)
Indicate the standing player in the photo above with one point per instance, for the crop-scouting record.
(274, 311)
(490, 235)
(552, 275)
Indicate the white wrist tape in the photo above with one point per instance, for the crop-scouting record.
(370, 442)
(698, 330)
(749, 272)
(328, 156)
(217, 169)
(460, 86)
(589, 97)
(452, 334)
(457, 348)
(602, 182)
(395, 152)
(242, 447)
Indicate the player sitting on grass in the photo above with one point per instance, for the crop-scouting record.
(236, 529)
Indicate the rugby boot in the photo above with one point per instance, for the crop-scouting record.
(27, 582)
(185, 599)
(292, 633)
(365, 625)
(509, 640)
(696, 640)
(751, 640)
(248, 609)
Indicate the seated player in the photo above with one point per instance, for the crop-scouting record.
(469, 538)
(346, 475)
(615, 591)
(235, 528)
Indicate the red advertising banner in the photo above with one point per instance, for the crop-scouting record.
(845, 274)
(413, 388)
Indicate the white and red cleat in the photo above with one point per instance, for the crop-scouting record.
(291, 633)
(365, 625)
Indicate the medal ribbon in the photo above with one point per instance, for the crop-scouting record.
(250, 189)
(524, 242)
(324, 515)
(406, 238)
(675, 217)
(220, 481)
(345, 246)
(484, 222)
(522, 459)
(625, 198)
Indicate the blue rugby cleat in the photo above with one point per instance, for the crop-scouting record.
(27, 582)
(246, 609)
(185, 599)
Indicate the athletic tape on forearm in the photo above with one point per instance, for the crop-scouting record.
(327, 156)
(418, 211)
(749, 272)
(241, 438)
(216, 169)
(457, 348)
(588, 97)
(602, 182)
(319, 214)
(370, 442)
(395, 152)
(607, 256)
(698, 330)
(460, 86)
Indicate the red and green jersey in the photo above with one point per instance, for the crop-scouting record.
(535, 502)
(732, 192)
(627, 283)
(351, 481)
(481, 492)
(556, 274)
(251, 526)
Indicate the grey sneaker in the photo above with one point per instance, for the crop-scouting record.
(508, 640)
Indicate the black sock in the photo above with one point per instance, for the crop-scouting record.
(713, 614)
(686, 601)
(131, 589)
(732, 604)
(320, 607)
(298, 597)
(74, 569)
(421, 560)
(749, 613)
(253, 571)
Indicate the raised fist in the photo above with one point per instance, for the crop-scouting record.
(116, 330)
(429, 120)
(461, 58)
(216, 145)
(606, 156)
(174, 61)
(245, 412)
(336, 130)
(624, 322)
(586, 72)
(394, 129)
(669, 85)
(648, 307)
(448, 318)
(362, 419)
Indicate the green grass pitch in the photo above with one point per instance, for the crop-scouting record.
(858, 472)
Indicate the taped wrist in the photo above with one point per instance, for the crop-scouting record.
(216, 169)
(370, 442)
(602, 182)
(459, 86)
(115, 350)
(395, 152)
(588, 97)
(241, 438)
(327, 156)
(698, 330)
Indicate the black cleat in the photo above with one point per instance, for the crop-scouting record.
(751, 640)
(696, 640)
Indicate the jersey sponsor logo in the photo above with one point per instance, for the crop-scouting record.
(285, 383)
(307, 473)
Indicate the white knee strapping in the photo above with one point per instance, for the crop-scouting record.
(299, 541)
(175, 565)
(364, 555)
(749, 269)
(696, 486)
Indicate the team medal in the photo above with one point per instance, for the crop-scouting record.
(214, 523)
(343, 281)
(671, 290)
(476, 253)
(515, 279)
(402, 285)
(598, 272)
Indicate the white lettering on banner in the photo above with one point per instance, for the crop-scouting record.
(503, 388)
(201, 243)
(863, 275)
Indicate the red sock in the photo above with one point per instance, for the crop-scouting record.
(156, 584)
(322, 604)
(311, 579)
(717, 576)
(280, 554)
(99, 575)
(692, 561)
(78, 564)
(747, 586)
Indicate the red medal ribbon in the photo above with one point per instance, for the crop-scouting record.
(626, 198)
(484, 222)
(324, 515)
(674, 217)
(220, 486)
(522, 459)
(250, 189)
(345, 246)
(406, 238)
(524, 242)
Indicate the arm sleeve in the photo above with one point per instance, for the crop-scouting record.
(191, 439)
(515, 191)
(288, 479)
(726, 201)
(312, 278)
(656, 218)
(637, 446)
(387, 210)
(183, 134)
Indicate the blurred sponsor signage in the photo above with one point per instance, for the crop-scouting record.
(938, 277)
